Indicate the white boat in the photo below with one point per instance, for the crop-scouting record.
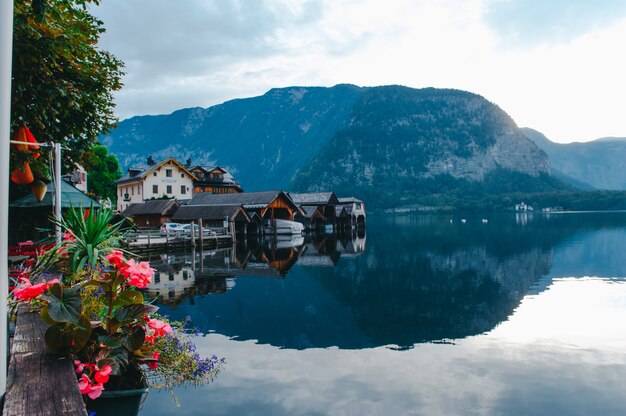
(284, 227)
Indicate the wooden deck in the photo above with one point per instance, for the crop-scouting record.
(39, 383)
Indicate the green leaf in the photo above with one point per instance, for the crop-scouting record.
(128, 297)
(56, 290)
(45, 316)
(128, 313)
(109, 341)
(80, 333)
(64, 308)
(135, 338)
(57, 339)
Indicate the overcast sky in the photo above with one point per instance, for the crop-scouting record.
(558, 66)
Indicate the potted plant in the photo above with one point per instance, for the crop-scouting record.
(99, 316)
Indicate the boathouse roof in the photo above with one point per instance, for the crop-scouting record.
(154, 207)
(315, 198)
(249, 200)
(210, 212)
(349, 200)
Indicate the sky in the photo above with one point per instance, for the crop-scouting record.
(557, 66)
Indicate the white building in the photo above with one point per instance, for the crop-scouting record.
(154, 180)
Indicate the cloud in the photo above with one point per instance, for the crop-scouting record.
(531, 22)
(554, 66)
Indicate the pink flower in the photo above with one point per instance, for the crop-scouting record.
(138, 274)
(79, 366)
(160, 328)
(84, 384)
(102, 376)
(95, 390)
(116, 259)
(27, 291)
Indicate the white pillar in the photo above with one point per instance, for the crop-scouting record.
(57, 189)
(6, 55)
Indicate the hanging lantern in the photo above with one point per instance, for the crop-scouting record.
(31, 139)
(22, 176)
(38, 188)
(20, 136)
(23, 134)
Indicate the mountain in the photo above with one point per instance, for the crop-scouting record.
(600, 164)
(427, 147)
(392, 145)
(262, 140)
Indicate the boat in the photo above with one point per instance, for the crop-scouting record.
(283, 227)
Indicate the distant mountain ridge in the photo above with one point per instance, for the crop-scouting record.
(393, 145)
(600, 163)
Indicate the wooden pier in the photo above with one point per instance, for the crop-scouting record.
(39, 383)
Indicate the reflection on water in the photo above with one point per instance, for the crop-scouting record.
(431, 316)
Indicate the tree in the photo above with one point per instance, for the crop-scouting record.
(103, 170)
(62, 83)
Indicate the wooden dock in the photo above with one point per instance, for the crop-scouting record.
(39, 383)
(145, 241)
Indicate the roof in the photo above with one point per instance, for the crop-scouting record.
(339, 210)
(249, 200)
(315, 198)
(228, 180)
(138, 172)
(309, 211)
(348, 200)
(70, 198)
(153, 207)
(208, 212)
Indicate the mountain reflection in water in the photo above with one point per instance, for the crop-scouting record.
(420, 279)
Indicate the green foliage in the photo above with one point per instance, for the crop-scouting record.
(104, 170)
(89, 237)
(62, 83)
(63, 305)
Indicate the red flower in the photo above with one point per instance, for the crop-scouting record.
(69, 236)
(116, 259)
(102, 376)
(154, 364)
(27, 291)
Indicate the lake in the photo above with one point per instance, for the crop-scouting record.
(420, 315)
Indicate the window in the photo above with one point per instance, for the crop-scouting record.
(153, 173)
(168, 173)
(132, 190)
(138, 189)
(358, 206)
(182, 175)
(183, 189)
(169, 189)
(121, 192)
(155, 189)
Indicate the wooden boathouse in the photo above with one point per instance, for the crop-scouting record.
(318, 208)
(151, 213)
(268, 205)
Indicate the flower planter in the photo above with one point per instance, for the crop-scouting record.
(118, 402)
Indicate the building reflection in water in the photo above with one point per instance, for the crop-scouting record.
(182, 275)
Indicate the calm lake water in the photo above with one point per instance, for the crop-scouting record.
(523, 315)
